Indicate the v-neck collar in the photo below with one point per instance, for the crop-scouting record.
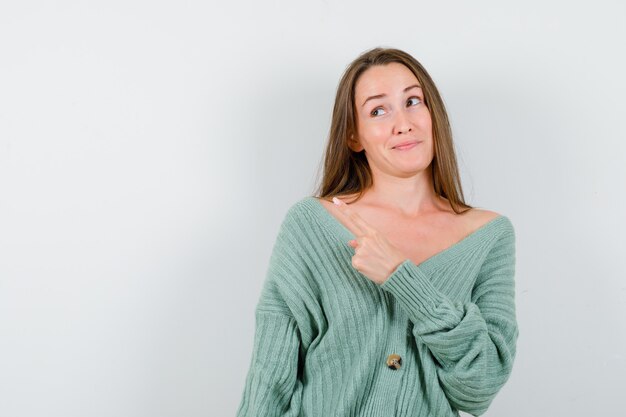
(344, 234)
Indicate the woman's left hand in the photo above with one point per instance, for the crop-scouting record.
(374, 256)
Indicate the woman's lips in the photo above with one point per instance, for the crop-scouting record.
(407, 146)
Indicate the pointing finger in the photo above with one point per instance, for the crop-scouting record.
(351, 216)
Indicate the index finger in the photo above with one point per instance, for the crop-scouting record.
(353, 218)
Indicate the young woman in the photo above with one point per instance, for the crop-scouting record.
(399, 298)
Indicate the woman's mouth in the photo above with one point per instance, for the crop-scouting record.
(407, 146)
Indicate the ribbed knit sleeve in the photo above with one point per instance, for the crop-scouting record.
(474, 343)
(273, 387)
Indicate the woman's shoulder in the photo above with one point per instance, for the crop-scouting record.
(298, 208)
(480, 217)
(477, 217)
(299, 213)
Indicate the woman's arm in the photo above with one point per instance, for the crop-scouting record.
(273, 387)
(474, 343)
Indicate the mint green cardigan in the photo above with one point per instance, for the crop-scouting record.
(325, 333)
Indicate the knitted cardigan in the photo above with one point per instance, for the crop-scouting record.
(324, 332)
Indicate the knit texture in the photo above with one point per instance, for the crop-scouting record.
(324, 331)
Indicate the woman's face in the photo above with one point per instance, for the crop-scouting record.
(390, 111)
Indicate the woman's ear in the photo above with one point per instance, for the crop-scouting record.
(354, 144)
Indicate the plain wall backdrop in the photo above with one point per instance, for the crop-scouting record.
(149, 151)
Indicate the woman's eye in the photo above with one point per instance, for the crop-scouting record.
(416, 98)
(375, 110)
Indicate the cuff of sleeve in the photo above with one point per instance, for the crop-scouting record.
(423, 302)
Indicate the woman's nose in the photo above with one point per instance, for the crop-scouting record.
(402, 123)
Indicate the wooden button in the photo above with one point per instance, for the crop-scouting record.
(394, 361)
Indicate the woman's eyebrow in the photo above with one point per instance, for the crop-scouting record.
(384, 95)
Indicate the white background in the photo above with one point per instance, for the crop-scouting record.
(149, 150)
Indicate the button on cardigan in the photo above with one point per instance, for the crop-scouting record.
(324, 332)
